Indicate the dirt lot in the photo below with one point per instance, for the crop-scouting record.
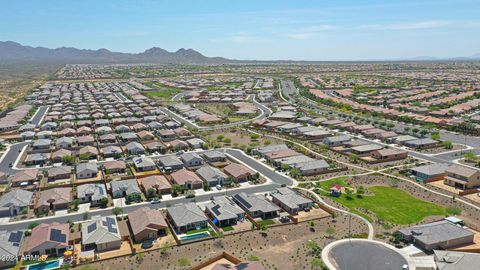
(281, 247)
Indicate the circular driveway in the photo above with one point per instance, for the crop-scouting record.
(362, 254)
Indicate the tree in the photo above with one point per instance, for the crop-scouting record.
(67, 159)
(267, 142)
(285, 167)
(104, 202)
(470, 156)
(151, 193)
(348, 194)
(448, 144)
(254, 136)
(360, 191)
(435, 136)
(117, 211)
(227, 140)
(84, 156)
(33, 225)
(220, 138)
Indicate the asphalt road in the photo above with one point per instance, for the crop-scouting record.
(366, 256)
(277, 181)
(10, 157)
(37, 118)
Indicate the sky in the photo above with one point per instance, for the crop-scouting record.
(318, 30)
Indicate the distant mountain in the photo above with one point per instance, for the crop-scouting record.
(12, 51)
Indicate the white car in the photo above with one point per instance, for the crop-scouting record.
(219, 187)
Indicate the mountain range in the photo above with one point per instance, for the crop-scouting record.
(13, 51)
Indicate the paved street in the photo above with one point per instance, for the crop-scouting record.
(276, 178)
(38, 117)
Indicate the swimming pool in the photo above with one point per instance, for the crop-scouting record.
(195, 236)
(53, 264)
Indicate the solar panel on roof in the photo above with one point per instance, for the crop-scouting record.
(58, 236)
(15, 237)
(92, 227)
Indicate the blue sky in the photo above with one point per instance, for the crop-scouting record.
(247, 29)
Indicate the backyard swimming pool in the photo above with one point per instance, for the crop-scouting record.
(54, 264)
(195, 236)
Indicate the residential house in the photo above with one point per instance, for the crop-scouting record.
(25, 178)
(238, 172)
(170, 163)
(186, 217)
(123, 188)
(91, 193)
(211, 175)
(290, 200)
(336, 140)
(101, 234)
(147, 224)
(224, 212)
(144, 164)
(54, 199)
(430, 172)
(114, 167)
(59, 172)
(187, 179)
(157, 182)
(48, 239)
(437, 235)
(15, 202)
(214, 156)
(462, 177)
(87, 170)
(191, 159)
(257, 206)
(389, 154)
(135, 148)
(10, 243)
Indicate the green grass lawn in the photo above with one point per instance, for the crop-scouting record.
(227, 229)
(326, 185)
(266, 222)
(392, 205)
(164, 93)
(206, 229)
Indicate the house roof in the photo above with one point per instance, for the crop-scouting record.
(85, 167)
(55, 233)
(96, 191)
(155, 181)
(209, 173)
(16, 197)
(289, 197)
(461, 170)
(184, 176)
(59, 195)
(25, 175)
(146, 218)
(237, 170)
(431, 169)
(100, 230)
(10, 242)
(254, 202)
(452, 260)
(436, 232)
(185, 214)
(129, 186)
(222, 208)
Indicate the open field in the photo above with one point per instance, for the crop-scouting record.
(390, 204)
